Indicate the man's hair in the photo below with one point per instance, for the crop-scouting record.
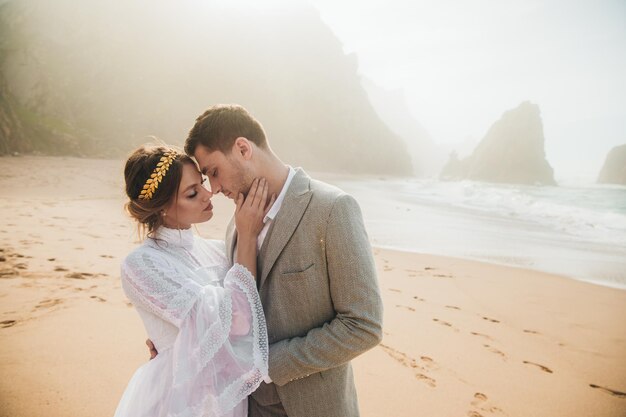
(217, 128)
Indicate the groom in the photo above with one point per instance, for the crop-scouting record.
(316, 273)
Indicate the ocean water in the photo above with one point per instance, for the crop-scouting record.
(577, 231)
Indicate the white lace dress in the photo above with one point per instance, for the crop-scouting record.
(206, 322)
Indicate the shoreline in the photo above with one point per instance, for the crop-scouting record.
(493, 262)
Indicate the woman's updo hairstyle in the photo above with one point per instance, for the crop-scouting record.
(139, 167)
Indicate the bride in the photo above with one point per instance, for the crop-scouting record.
(204, 318)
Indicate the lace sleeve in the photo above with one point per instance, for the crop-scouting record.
(220, 354)
(151, 282)
(217, 364)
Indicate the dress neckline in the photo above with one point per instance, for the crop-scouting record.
(176, 237)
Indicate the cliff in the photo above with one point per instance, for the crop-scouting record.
(614, 168)
(392, 107)
(98, 78)
(512, 151)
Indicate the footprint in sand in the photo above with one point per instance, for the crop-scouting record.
(78, 275)
(445, 323)
(98, 298)
(491, 320)
(609, 391)
(419, 368)
(442, 276)
(21, 266)
(428, 380)
(543, 368)
(481, 402)
(107, 256)
(61, 269)
(395, 290)
(8, 273)
(496, 351)
(406, 307)
(7, 323)
(49, 303)
(481, 335)
(453, 307)
(531, 331)
(428, 362)
(415, 297)
(429, 268)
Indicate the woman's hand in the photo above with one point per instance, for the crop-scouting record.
(251, 211)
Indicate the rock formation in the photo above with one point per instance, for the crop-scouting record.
(392, 107)
(512, 151)
(614, 168)
(104, 76)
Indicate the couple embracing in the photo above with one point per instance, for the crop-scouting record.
(266, 323)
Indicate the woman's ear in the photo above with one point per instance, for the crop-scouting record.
(243, 148)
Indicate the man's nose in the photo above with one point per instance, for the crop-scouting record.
(215, 186)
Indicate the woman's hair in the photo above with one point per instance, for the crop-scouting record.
(141, 164)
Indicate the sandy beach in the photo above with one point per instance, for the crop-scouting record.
(462, 338)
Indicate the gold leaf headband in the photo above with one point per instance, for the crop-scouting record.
(157, 175)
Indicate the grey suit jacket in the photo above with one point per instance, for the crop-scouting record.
(318, 286)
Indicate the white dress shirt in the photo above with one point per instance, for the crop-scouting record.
(271, 215)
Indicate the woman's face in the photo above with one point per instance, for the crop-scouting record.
(193, 204)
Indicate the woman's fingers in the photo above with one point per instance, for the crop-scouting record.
(266, 191)
(239, 202)
(261, 196)
(252, 192)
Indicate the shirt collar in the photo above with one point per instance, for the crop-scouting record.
(271, 215)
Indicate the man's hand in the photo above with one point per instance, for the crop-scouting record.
(153, 351)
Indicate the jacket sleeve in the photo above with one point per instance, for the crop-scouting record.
(357, 325)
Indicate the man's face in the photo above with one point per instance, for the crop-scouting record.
(226, 173)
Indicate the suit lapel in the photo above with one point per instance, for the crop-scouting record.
(284, 225)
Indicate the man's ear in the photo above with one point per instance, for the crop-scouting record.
(243, 148)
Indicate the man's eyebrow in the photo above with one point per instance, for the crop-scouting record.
(204, 170)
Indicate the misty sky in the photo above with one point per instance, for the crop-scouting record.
(461, 64)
